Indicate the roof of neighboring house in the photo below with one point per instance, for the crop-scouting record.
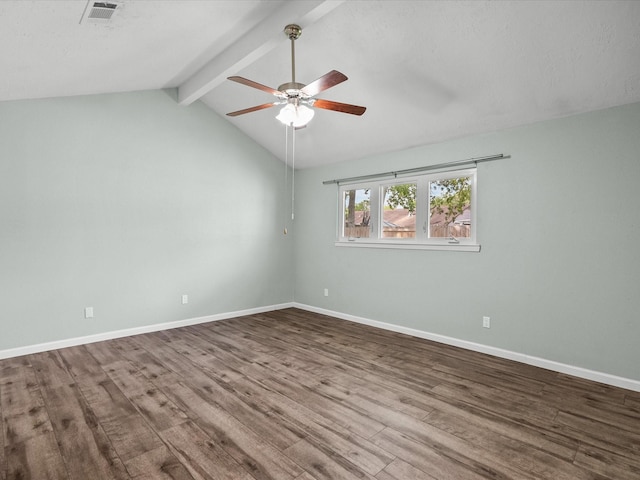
(399, 218)
(440, 218)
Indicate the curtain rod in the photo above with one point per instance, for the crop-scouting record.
(456, 163)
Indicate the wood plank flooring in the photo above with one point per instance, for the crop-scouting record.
(292, 395)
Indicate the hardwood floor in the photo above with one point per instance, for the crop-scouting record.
(292, 395)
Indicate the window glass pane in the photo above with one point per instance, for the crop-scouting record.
(450, 208)
(357, 213)
(399, 211)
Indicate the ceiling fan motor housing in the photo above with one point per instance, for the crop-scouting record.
(292, 89)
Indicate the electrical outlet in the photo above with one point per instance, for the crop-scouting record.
(185, 299)
(486, 322)
(88, 312)
(326, 292)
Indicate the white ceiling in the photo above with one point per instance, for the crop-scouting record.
(426, 70)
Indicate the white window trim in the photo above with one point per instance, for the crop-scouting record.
(468, 247)
(420, 242)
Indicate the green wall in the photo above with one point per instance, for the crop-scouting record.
(559, 223)
(125, 202)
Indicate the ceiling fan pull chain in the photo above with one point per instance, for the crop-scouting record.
(293, 169)
(286, 173)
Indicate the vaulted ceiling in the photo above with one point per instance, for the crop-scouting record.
(427, 71)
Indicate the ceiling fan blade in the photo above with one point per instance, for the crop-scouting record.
(253, 109)
(251, 83)
(339, 107)
(326, 81)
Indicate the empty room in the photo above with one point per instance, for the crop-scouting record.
(319, 240)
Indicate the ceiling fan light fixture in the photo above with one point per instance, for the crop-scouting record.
(295, 115)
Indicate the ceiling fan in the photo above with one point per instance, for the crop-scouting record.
(297, 97)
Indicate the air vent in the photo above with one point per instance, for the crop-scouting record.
(102, 10)
(99, 12)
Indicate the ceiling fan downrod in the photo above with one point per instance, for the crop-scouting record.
(293, 32)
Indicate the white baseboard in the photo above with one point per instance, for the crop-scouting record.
(580, 372)
(99, 337)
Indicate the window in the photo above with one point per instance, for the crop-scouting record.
(399, 210)
(436, 210)
(357, 213)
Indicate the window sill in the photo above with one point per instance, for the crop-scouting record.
(452, 247)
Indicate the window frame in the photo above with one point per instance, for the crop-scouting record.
(422, 241)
